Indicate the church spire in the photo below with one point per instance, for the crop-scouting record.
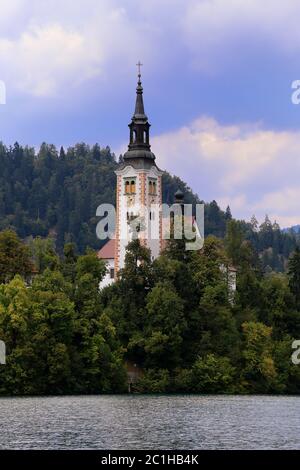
(139, 104)
(139, 142)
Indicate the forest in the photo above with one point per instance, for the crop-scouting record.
(51, 193)
(174, 317)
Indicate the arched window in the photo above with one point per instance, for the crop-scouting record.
(150, 187)
(134, 137)
(154, 187)
(132, 187)
(145, 137)
(127, 187)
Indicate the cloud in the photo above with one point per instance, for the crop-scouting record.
(283, 204)
(48, 57)
(9, 10)
(58, 48)
(55, 49)
(54, 45)
(254, 170)
(212, 28)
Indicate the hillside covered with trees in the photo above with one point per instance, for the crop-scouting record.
(172, 317)
(56, 193)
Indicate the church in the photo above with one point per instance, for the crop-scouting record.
(138, 195)
(139, 200)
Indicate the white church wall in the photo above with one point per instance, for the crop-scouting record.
(141, 204)
(154, 219)
(127, 203)
(109, 277)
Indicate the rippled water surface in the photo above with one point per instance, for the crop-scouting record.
(150, 422)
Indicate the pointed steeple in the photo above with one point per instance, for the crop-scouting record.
(139, 142)
(139, 112)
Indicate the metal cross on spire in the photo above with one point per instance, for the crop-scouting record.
(139, 65)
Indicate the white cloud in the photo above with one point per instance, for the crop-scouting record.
(254, 170)
(60, 45)
(283, 204)
(9, 10)
(44, 58)
(214, 27)
(49, 47)
(44, 46)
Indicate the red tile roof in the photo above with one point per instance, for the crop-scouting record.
(108, 250)
(232, 269)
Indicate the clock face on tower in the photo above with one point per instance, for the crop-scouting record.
(130, 201)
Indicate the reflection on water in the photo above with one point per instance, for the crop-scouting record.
(150, 422)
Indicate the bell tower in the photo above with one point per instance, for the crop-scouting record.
(139, 188)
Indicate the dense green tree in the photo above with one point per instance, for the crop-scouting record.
(154, 381)
(43, 253)
(136, 279)
(14, 257)
(233, 241)
(259, 371)
(164, 326)
(16, 376)
(212, 374)
(228, 215)
(37, 327)
(58, 340)
(294, 275)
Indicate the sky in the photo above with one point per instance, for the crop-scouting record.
(217, 79)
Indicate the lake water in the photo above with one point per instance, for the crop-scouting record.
(150, 422)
